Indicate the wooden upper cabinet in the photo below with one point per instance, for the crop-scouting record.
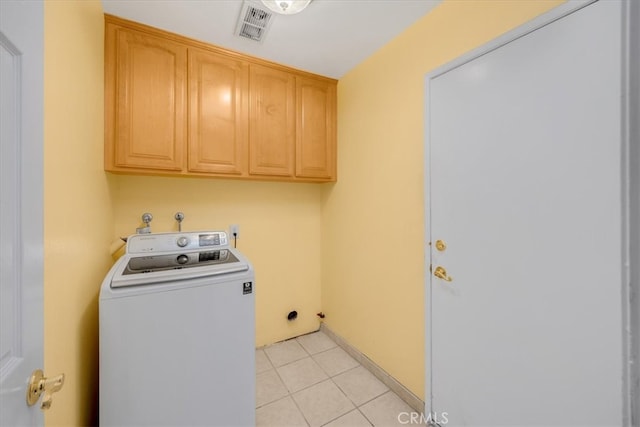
(176, 106)
(316, 129)
(145, 93)
(218, 113)
(272, 123)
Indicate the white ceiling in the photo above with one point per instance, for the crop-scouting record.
(329, 37)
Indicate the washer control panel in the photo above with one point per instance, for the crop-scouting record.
(173, 242)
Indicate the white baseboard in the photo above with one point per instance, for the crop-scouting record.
(404, 393)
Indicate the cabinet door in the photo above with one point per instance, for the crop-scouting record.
(272, 122)
(316, 130)
(218, 113)
(147, 111)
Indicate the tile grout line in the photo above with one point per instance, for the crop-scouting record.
(356, 407)
(325, 371)
(299, 409)
(296, 405)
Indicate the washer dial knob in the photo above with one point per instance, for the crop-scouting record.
(182, 259)
(182, 241)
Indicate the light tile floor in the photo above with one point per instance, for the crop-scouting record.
(310, 381)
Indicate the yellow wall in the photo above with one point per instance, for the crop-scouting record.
(280, 232)
(78, 224)
(373, 218)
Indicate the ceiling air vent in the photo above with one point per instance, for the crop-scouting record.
(254, 22)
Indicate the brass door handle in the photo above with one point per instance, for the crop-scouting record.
(39, 384)
(441, 273)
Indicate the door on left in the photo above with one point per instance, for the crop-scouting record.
(21, 207)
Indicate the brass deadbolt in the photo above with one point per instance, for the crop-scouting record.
(441, 245)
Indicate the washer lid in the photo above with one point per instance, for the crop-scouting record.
(139, 270)
(152, 263)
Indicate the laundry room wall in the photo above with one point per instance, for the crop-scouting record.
(78, 220)
(373, 218)
(280, 233)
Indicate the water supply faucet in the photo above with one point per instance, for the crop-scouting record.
(179, 216)
(146, 218)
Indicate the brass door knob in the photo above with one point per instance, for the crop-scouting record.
(39, 384)
(441, 273)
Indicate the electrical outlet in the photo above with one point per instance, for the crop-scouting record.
(234, 231)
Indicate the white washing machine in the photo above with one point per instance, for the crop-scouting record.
(177, 333)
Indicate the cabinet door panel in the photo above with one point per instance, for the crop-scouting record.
(150, 97)
(272, 122)
(316, 131)
(218, 113)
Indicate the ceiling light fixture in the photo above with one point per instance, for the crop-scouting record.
(286, 7)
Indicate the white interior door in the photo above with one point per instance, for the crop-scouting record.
(525, 190)
(21, 279)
